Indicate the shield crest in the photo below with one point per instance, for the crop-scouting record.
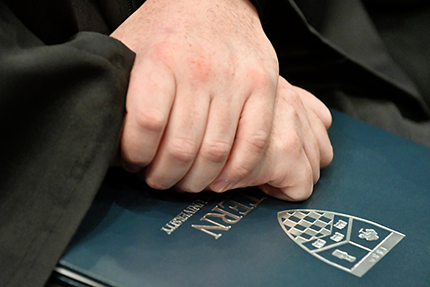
(347, 242)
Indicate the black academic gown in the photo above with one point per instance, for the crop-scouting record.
(61, 108)
(62, 102)
(371, 62)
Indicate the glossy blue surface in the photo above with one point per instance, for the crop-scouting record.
(375, 176)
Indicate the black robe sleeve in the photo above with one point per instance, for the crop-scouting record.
(332, 49)
(61, 110)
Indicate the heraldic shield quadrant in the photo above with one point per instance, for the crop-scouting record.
(349, 243)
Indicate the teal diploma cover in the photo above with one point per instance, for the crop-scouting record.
(366, 224)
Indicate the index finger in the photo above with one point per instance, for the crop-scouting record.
(149, 101)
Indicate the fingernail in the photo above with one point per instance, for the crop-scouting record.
(220, 185)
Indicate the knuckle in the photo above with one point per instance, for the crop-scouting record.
(152, 120)
(162, 51)
(304, 185)
(301, 195)
(215, 151)
(182, 150)
(263, 71)
(257, 140)
(306, 174)
(239, 172)
(200, 68)
(290, 104)
(287, 93)
(264, 79)
(292, 96)
(327, 156)
(158, 185)
(288, 109)
(261, 78)
(133, 160)
(293, 145)
(189, 187)
(314, 153)
(330, 158)
(316, 175)
(326, 118)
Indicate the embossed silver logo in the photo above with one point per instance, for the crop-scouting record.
(347, 242)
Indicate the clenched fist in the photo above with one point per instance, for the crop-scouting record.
(298, 148)
(204, 80)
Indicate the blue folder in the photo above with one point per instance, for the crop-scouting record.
(366, 224)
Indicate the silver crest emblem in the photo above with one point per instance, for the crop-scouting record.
(347, 242)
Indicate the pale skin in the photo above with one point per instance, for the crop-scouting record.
(206, 108)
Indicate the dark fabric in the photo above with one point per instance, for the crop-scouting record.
(62, 98)
(53, 282)
(61, 109)
(55, 21)
(404, 28)
(332, 48)
(51, 21)
(103, 16)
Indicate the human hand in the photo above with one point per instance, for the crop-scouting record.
(205, 78)
(299, 146)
